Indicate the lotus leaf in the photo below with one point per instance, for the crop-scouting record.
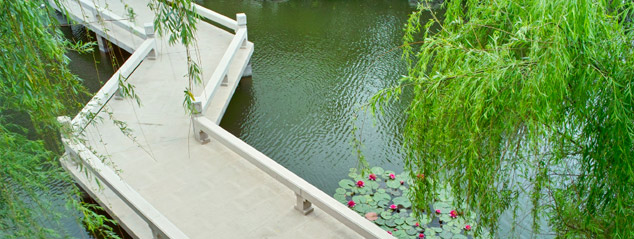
(341, 198)
(380, 221)
(437, 229)
(381, 196)
(377, 170)
(383, 203)
(411, 231)
(393, 184)
(346, 183)
(400, 234)
(390, 223)
(446, 235)
(410, 221)
(459, 236)
(386, 215)
(399, 221)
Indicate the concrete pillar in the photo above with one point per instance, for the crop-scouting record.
(303, 205)
(199, 135)
(248, 71)
(241, 18)
(103, 44)
(149, 32)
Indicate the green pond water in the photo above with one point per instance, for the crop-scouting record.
(315, 64)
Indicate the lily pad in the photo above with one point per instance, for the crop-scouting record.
(340, 191)
(346, 183)
(377, 170)
(372, 216)
(341, 198)
(380, 221)
(390, 223)
(411, 231)
(399, 221)
(386, 215)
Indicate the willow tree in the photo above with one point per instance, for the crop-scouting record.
(36, 86)
(526, 100)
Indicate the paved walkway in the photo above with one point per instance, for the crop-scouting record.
(207, 190)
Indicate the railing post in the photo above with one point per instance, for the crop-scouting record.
(101, 42)
(199, 134)
(65, 129)
(303, 205)
(241, 18)
(149, 32)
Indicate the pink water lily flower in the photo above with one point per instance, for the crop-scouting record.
(393, 207)
(389, 232)
(402, 182)
(417, 224)
(360, 184)
(392, 176)
(467, 227)
(438, 211)
(351, 203)
(453, 214)
(421, 235)
(372, 177)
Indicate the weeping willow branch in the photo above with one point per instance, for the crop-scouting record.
(524, 100)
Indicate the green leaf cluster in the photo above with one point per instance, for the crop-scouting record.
(36, 86)
(527, 100)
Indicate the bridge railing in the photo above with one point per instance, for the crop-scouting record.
(219, 76)
(161, 227)
(306, 193)
(102, 17)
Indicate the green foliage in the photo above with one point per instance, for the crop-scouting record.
(527, 100)
(36, 86)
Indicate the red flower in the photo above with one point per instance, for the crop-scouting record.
(417, 224)
(467, 227)
(360, 184)
(372, 177)
(351, 203)
(453, 214)
(393, 207)
(392, 176)
(438, 211)
(402, 182)
(421, 235)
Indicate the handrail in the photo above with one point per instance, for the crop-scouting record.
(161, 226)
(221, 70)
(123, 23)
(97, 102)
(109, 15)
(301, 188)
(216, 17)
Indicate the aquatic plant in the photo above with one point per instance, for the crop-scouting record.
(385, 202)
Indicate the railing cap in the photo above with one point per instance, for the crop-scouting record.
(241, 18)
(149, 29)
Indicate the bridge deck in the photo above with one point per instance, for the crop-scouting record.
(206, 190)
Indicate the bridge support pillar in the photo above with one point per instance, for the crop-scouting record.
(248, 71)
(103, 44)
(303, 205)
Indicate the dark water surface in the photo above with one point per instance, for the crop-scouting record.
(315, 64)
